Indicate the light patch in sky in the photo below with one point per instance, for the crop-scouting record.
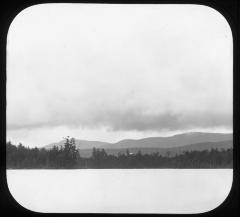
(109, 72)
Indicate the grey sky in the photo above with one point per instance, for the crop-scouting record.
(109, 72)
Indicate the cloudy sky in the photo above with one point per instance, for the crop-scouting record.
(110, 72)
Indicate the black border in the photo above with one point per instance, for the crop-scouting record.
(230, 9)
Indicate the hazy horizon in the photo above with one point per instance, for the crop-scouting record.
(114, 72)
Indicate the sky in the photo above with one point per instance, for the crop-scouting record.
(111, 72)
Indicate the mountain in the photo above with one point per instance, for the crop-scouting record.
(165, 151)
(171, 141)
(153, 142)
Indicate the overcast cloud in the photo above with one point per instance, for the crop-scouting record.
(107, 72)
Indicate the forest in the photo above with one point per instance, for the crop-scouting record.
(68, 157)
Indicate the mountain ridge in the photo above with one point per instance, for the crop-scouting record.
(176, 140)
(207, 146)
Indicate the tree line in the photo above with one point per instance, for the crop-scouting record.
(68, 157)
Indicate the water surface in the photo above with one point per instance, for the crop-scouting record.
(120, 190)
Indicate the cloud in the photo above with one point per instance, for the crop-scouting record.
(123, 119)
(145, 73)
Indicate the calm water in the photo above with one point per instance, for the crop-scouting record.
(120, 191)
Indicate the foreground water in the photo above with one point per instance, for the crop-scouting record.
(120, 191)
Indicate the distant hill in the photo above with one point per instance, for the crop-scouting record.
(178, 140)
(172, 141)
(165, 151)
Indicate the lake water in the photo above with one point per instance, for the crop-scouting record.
(120, 191)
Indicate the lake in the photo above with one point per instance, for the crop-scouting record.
(120, 190)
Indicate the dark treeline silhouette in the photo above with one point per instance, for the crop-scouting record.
(19, 157)
(68, 157)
